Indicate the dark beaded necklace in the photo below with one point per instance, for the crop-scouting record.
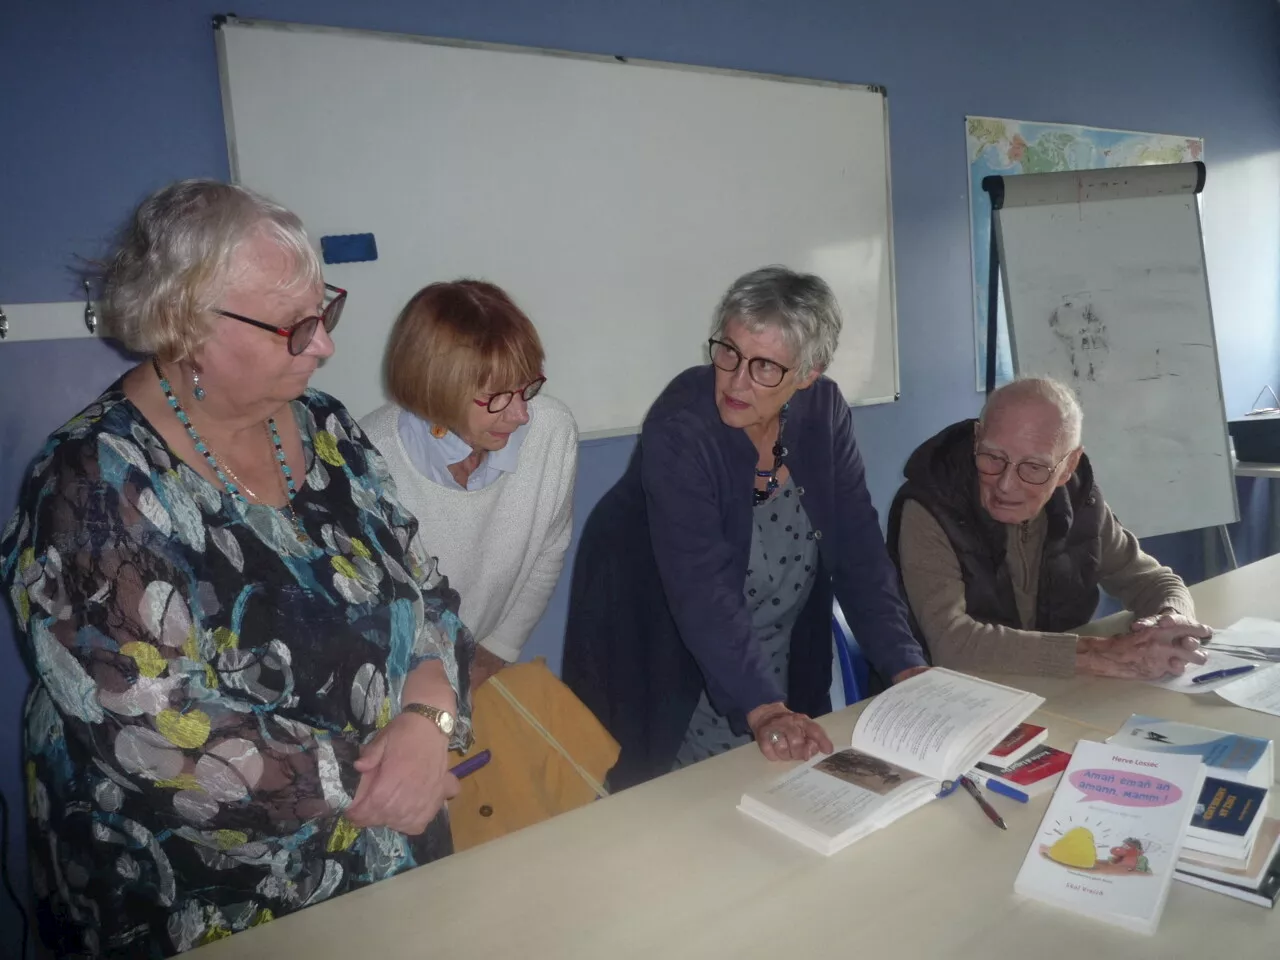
(779, 451)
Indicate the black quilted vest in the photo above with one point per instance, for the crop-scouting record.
(942, 478)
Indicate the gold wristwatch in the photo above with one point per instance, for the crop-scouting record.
(443, 719)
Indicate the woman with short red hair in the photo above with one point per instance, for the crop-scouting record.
(483, 459)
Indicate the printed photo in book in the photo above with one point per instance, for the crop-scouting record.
(1109, 842)
(908, 741)
(862, 770)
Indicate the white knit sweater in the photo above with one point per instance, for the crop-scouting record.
(501, 547)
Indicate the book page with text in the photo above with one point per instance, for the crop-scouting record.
(939, 723)
(835, 799)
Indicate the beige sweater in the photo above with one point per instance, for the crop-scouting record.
(935, 590)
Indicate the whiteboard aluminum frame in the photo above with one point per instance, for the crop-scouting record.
(618, 60)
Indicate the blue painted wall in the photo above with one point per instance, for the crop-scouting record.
(100, 104)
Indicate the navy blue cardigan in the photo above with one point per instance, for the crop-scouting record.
(656, 606)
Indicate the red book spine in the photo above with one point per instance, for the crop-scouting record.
(1037, 767)
(1016, 738)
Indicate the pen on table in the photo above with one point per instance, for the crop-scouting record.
(987, 808)
(1220, 674)
(471, 764)
(996, 786)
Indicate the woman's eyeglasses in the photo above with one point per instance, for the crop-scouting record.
(301, 333)
(498, 402)
(766, 372)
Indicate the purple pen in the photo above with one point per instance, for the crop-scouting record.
(471, 764)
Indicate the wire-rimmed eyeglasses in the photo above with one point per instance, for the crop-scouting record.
(1029, 471)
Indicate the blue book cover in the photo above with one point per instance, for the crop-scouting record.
(1233, 755)
(1228, 808)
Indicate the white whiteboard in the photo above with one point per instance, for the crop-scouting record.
(615, 201)
(1105, 288)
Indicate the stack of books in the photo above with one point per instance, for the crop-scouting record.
(1232, 847)
(1021, 765)
(1256, 880)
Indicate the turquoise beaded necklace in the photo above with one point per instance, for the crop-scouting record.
(230, 481)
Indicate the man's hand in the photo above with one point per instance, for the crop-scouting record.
(1147, 652)
(1191, 628)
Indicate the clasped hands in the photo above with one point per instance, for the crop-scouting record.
(1153, 648)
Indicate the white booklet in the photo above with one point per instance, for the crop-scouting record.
(1110, 840)
(909, 740)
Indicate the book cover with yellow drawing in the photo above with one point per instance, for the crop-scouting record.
(1110, 839)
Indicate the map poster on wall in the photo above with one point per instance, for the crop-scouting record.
(1008, 147)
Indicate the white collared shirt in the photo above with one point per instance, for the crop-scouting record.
(433, 455)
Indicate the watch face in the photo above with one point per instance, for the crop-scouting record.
(446, 722)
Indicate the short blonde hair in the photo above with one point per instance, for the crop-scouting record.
(173, 261)
(454, 340)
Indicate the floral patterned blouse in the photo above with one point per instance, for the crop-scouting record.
(205, 679)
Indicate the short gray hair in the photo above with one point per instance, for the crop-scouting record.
(799, 305)
(173, 261)
(1058, 395)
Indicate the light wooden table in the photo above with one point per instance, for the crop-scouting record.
(671, 869)
(1103, 705)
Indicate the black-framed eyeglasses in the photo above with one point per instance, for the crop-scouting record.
(1029, 471)
(301, 333)
(727, 357)
(497, 402)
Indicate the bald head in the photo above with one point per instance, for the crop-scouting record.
(1047, 406)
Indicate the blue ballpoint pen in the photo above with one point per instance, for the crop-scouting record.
(1220, 674)
(995, 786)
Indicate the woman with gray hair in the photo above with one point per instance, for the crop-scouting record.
(246, 682)
(700, 611)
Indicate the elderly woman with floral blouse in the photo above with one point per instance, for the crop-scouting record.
(246, 681)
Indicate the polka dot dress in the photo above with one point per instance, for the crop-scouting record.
(780, 575)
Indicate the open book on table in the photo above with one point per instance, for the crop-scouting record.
(908, 742)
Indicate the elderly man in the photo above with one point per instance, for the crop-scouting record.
(1002, 539)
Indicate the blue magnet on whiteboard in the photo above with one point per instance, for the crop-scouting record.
(349, 248)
